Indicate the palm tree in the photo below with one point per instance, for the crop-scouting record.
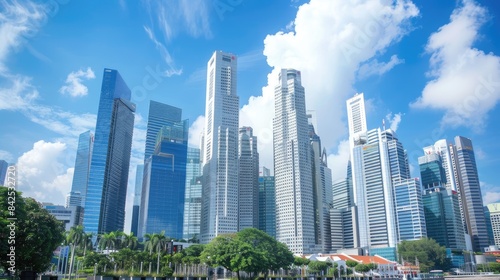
(149, 242)
(129, 241)
(87, 242)
(108, 241)
(75, 238)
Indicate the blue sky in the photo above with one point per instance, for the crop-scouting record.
(431, 69)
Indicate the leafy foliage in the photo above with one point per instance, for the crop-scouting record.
(37, 233)
(426, 252)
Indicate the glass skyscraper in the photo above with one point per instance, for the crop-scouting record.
(3, 171)
(295, 225)
(139, 173)
(219, 213)
(248, 193)
(267, 203)
(107, 188)
(163, 187)
(82, 167)
(192, 206)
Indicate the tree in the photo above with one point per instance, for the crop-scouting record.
(351, 264)
(36, 233)
(108, 241)
(317, 267)
(426, 252)
(298, 261)
(129, 241)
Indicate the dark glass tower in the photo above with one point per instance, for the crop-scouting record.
(107, 188)
(163, 188)
(137, 199)
(82, 166)
(3, 171)
(267, 203)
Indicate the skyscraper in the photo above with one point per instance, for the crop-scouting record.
(107, 187)
(376, 228)
(292, 166)
(494, 210)
(163, 187)
(467, 179)
(139, 173)
(322, 191)
(220, 148)
(82, 166)
(159, 115)
(3, 171)
(267, 203)
(343, 213)
(248, 193)
(192, 206)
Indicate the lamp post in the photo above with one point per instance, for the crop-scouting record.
(95, 270)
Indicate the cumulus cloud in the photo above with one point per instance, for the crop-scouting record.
(74, 85)
(491, 193)
(329, 42)
(338, 161)
(393, 120)
(42, 173)
(374, 67)
(465, 81)
(195, 131)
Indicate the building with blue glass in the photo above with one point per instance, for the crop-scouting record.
(82, 168)
(248, 186)
(267, 203)
(164, 184)
(137, 199)
(192, 203)
(3, 171)
(108, 178)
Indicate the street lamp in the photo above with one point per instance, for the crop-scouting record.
(95, 270)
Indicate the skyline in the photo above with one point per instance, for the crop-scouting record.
(415, 52)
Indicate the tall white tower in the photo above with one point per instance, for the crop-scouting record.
(220, 148)
(292, 165)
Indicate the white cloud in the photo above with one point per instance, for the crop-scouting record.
(19, 94)
(331, 39)
(195, 132)
(491, 193)
(7, 156)
(394, 120)
(74, 85)
(18, 21)
(374, 67)
(42, 174)
(338, 161)
(466, 83)
(172, 69)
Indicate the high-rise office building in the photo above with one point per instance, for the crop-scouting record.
(442, 217)
(82, 166)
(107, 187)
(163, 187)
(408, 205)
(139, 173)
(220, 148)
(3, 172)
(159, 115)
(376, 228)
(322, 191)
(192, 204)
(343, 213)
(494, 211)
(267, 203)
(467, 179)
(292, 166)
(248, 193)
(73, 199)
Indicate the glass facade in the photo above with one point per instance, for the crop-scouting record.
(267, 204)
(82, 166)
(107, 188)
(139, 173)
(248, 193)
(163, 191)
(3, 171)
(192, 206)
(409, 210)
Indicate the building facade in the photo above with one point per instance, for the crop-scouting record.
(108, 178)
(192, 204)
(82, 165)
(220, 148)
(292, 166)
(163, 187)
(3, 172)
(248, 193)
(494, 211)
(139, 174)
(267, 203)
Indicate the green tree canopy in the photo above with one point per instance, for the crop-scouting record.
(426, 252)
(298, 261)
(37, 233)
(316, 267)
